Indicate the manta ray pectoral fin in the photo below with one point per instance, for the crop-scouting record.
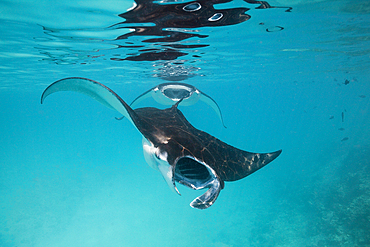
(140, 98)
(91, 88)
(212, 103)
(207, 199)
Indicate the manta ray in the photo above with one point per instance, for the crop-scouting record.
(171, 145)
(170, 93)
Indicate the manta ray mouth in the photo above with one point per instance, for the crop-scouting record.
(188, 171)
(177, 95)
(198, 175)
(177, 92)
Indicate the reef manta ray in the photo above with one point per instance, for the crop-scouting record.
(173, 146)
(170, 93)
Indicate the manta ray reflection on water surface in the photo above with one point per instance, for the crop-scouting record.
(173, 146)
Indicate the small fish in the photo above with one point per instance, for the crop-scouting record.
(346, 82)
(331, 117)
(362, 96)
(341, 129)
(342, 116)
(344, 139)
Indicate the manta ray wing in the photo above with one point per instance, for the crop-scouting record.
(93, 89)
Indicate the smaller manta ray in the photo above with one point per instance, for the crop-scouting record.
(170, 93)
(173, 146)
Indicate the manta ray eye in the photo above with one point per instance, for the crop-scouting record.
(192, 169)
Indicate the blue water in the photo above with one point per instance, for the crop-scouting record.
(292, 79)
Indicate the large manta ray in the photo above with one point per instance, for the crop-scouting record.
(173, 146)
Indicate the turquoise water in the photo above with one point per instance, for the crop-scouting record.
(292, 79)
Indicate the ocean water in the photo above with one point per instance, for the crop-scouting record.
(290, 75)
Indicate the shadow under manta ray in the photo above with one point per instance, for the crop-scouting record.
(173, 146)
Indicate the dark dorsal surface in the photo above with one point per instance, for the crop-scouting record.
(169, 130)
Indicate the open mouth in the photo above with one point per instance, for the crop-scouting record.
(177, 92)
(191, 172)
